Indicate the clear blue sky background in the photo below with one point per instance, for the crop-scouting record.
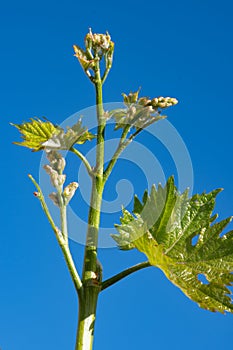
(178, 48)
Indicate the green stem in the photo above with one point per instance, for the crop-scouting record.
(109, 282)
(83, 159)
(61, 238)
(86, 318)
(63, 213)
(63, 219)
(72, 268)
(97, 188)
(122, 145)
(91, 277)
(107, 70)
(40, 196)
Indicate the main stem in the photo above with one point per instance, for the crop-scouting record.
(91, 274)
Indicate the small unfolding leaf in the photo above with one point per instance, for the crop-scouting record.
(39, 135)
(141, 112)
(83, 58)
(65, 140)
(163, 227)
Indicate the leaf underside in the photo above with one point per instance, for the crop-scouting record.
(177, 234)
(39, 135)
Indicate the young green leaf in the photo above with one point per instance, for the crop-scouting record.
(164, 228)
(35, 133)
(38, 135)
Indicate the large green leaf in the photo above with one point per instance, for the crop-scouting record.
(178, 235)
(38, 135)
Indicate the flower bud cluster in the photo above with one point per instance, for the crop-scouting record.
(155, 103)
(57, 179)
(55, 171)
(96, 47)
(56, 160)
(141, 112)
(98, 42)
(158, 102)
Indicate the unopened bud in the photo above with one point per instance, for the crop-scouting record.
(61, 179)
(148, 103)
(54, 197)
(131, 98)
(61, 163)
(57, 162)
(109, 55)
(143, 101)
(174, 101)
(89, 39)
(98, 42)
(69, 191)
(162, 104)
(125, 98)
(49, 170)
(149, 109)
(51, 155)
(56, 179)
(154, 102)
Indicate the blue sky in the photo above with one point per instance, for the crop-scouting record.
(182, 49)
